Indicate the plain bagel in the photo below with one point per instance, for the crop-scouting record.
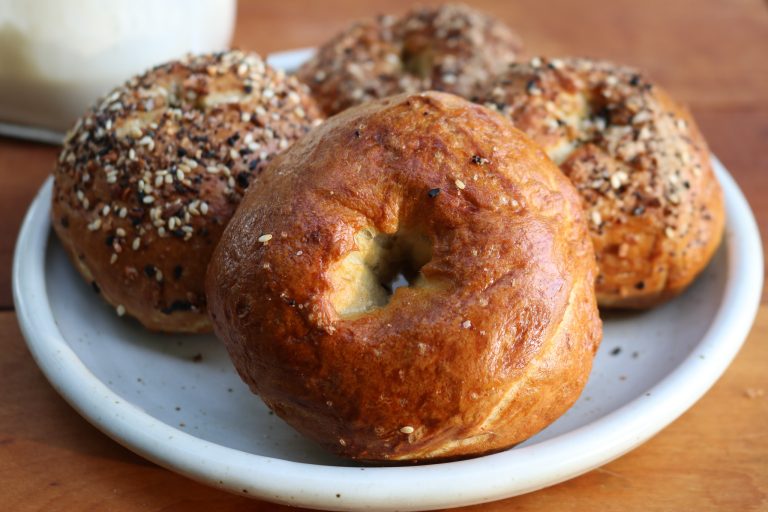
(494, 335)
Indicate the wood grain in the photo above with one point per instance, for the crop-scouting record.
(710, 55)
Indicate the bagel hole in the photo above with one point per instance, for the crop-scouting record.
(366, 278)
(417, 59)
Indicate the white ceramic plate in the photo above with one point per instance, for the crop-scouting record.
(177, 401)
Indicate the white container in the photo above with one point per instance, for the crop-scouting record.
(58, 56)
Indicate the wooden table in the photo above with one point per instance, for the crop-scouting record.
(712, 55)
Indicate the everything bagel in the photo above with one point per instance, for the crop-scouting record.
(451, 48)
(655, 206)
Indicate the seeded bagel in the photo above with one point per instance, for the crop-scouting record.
(149, 177)
(640, 163)
(451, 48)
(490, 337)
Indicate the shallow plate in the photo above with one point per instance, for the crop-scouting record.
(177, 401)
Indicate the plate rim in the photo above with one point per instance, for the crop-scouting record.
(450, 484)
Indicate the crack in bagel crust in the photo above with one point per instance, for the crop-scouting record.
(655, 207)
(493, 338)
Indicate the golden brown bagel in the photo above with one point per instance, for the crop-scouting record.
(149, 177)
(492, 340)
(451, 48)
(639, 162)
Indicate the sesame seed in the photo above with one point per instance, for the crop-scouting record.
(670, 232)
(596, 218)
(407, 429)
(466, 324)
(136, 244)
(265, 238)
(120, 232)
(623, 250)
(299, 253)
(617, 179)
(105, 210)
(93, 226)
(120, 310)
(642, 117)
(147, 141)
(113, 259)
(460, 184)
(342, 442)
(123, 213)
(148, 200)
(159, 275)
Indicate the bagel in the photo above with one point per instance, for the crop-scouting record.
(147, 180)
(490, 338)
(452, 48)
(639, 162)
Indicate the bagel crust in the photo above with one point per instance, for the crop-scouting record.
(451, 48)
(150, 176)
(495, 335)
(640, 163)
